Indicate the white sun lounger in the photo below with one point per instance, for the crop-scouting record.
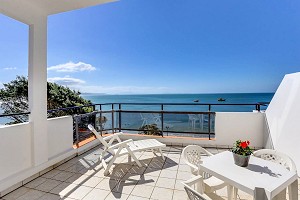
(127, 147)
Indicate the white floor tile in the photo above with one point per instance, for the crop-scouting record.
(142, 191)
(97, 194)
(48, 185)
(36, 182)
(116, 195)
(168, 174)
(32, 195)
(165, 183)
(158, 193)
(17, 193)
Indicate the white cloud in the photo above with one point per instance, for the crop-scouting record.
(10, 68)
(67, 80)
(72, 67)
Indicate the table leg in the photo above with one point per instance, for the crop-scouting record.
(260, 194)
(230, 192)
(293, 190)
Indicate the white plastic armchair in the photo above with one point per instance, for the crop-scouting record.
(192, 155)
(280, 158)
(194, 191)
(127, 147)
(277, 157)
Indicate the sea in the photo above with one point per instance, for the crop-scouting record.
(195, 99)
(195, 102)
(181, 123)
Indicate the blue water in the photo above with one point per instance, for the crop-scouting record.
(231, 98)
(236, 98)
(175, 121)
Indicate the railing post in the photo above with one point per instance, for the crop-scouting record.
(258, 107)
(120, 122)
(112, 118)
(95, 120)
(162, 120)
(77, 130)
(101, 126)
(113, 121)
(209, 126)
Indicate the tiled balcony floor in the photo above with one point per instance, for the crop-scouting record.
(82, 178)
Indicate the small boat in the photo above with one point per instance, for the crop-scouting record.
(221, 99)
(196, 100)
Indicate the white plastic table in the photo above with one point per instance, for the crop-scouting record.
(262, 179)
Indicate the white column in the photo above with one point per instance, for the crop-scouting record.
(37, 89)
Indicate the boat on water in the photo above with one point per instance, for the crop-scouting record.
(221, 99)
(196, 100)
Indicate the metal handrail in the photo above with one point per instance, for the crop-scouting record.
(257, 105)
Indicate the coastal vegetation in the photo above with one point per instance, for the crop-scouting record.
(14, 98)
(150, 129)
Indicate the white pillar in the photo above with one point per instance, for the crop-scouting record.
(37, 89)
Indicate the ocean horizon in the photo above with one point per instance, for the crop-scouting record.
(209, 98)
(212, 98)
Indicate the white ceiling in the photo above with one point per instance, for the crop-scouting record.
(27, 11)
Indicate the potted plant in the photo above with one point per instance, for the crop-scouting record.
(241, 153)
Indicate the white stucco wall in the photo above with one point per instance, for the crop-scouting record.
(283, 117)
(232, 126)
(15, 149)
(60, 135)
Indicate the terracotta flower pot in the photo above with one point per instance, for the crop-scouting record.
(241, 160)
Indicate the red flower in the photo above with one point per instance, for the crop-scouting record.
(248, 142)
(244, 144)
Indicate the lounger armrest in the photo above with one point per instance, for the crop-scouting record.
(119, 144)
(111, 136)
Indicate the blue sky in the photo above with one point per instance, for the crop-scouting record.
(169, 46)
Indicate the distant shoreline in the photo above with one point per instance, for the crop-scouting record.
(105, 94)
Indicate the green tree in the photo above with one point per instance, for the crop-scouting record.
(14, 98)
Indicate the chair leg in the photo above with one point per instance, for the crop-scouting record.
(162, 155)
(111, 162)
(102, 160)
(129, 158)
(154, 152)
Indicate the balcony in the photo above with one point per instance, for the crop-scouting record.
(74, 171)
(39, 161)
(82, 178)
(72, 159)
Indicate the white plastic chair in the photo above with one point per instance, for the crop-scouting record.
(193, 189)
(193, 118)
(192, 156)
(150, 118)
(127, 147)
(280, 158)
